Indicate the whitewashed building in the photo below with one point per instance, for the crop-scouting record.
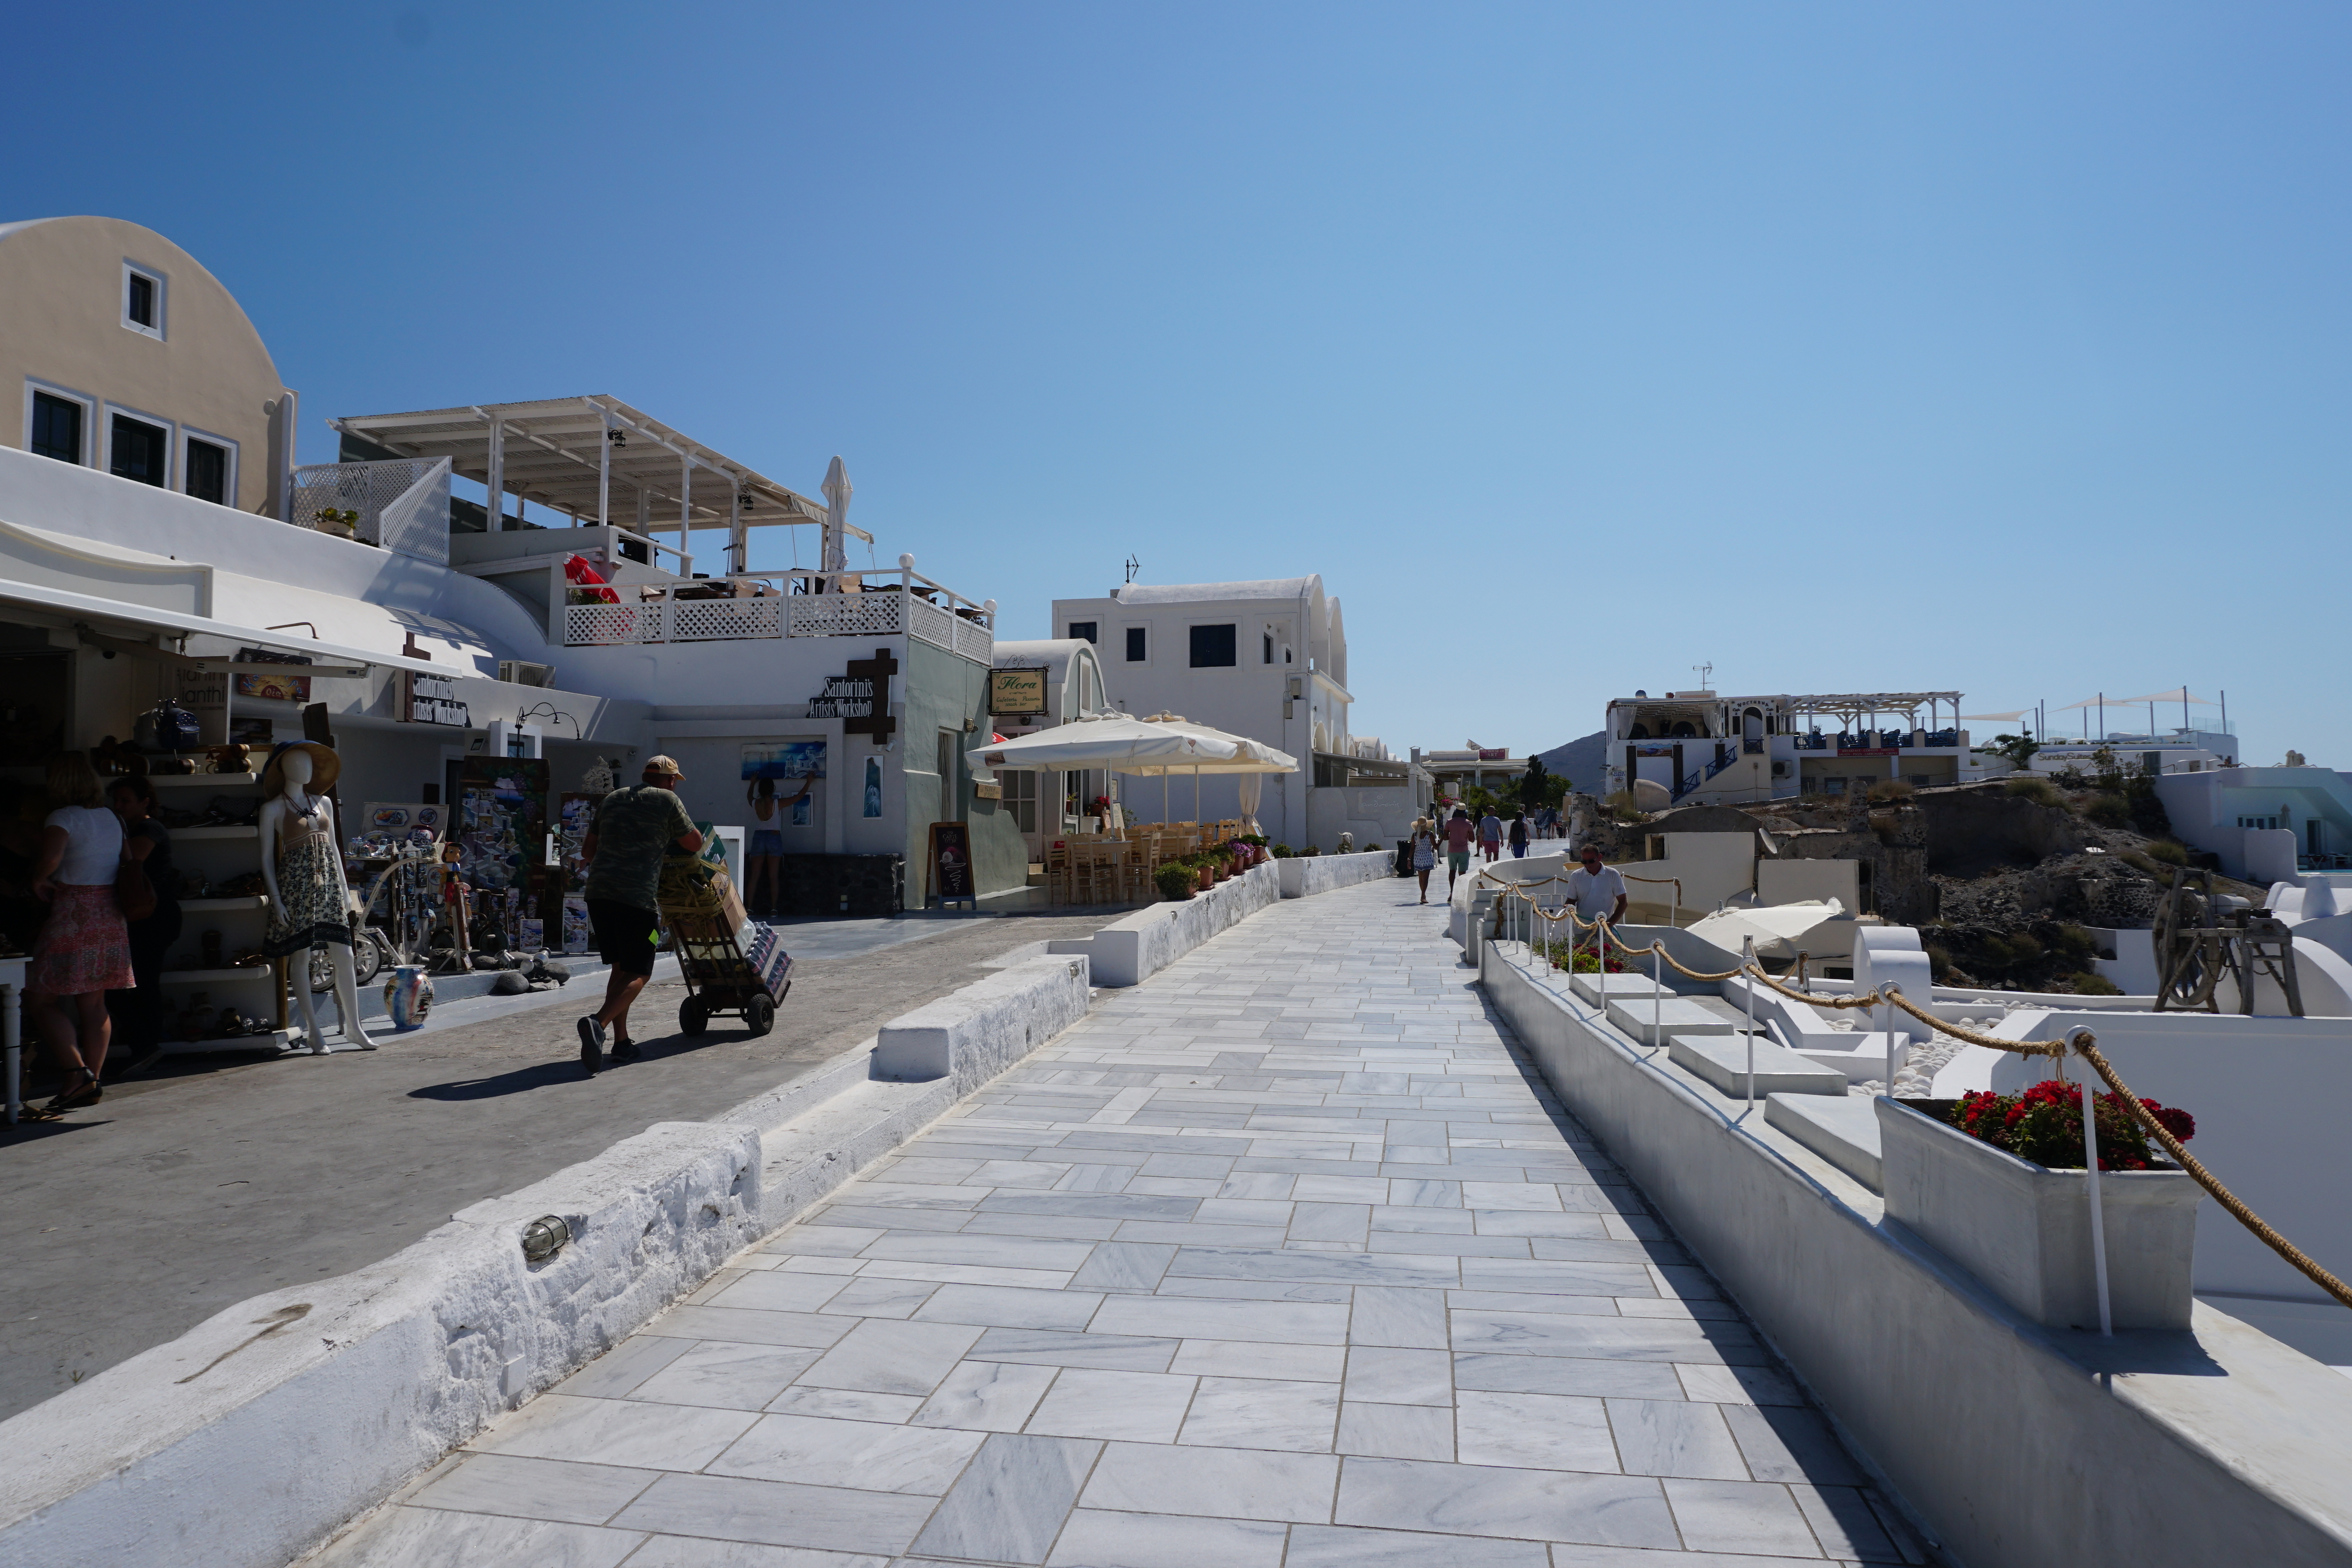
(1266, 659)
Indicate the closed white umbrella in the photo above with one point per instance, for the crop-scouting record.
(835, 552)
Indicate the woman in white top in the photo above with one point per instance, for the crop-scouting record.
(85, 948)
(1424, 852)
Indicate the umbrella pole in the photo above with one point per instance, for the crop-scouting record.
(1163, 797)
(1196, 794)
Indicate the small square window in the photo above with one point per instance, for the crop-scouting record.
(1138, 644)
(1082, 631)
(57, 427)
(142, 300)
(208, 471)
(139, 451)
(1212, 646)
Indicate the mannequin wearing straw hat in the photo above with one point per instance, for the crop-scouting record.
(310, 903)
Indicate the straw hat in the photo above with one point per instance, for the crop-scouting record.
(663, 765)
(325, 767)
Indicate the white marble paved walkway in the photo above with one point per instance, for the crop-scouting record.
(1282, 1259)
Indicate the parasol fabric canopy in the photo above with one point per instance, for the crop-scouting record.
(1121, 744)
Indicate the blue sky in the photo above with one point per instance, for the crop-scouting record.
(2001, 347)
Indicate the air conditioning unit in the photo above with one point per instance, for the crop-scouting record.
(1781, 770)
(522, 672)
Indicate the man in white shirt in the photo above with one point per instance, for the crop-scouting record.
(1598, 891)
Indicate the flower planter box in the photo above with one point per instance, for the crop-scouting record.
(2025, 1231)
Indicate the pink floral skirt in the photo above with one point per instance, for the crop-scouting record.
(84, 946)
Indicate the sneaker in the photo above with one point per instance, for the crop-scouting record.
(592, 1044)
(624, 1049)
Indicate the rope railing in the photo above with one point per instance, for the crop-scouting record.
(2082, 1042)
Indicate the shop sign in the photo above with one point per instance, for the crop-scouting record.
(432, 699)
(1016, 691)
(1870, 751)
(860, 697)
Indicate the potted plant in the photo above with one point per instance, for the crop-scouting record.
(1175, 882)
(1997, 1183)
(1207, 872)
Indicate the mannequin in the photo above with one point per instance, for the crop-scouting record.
(302, 866)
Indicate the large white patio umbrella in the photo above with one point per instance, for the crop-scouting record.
(1119, 743)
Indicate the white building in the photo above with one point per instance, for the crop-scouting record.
(1697, 745)
(1264, 659)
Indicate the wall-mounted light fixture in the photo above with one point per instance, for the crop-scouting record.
(544, 1238)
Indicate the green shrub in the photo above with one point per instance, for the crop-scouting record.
(2109, 811)
(2086, 983)
(2139, 861)
(2168, 852)
(1282, 852)
(2024, 949)
(1176, 881)
(1939, 963)
(2075, 942)
(1891, 790)
(2036, 788)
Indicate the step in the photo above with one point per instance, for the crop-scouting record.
(1595, 989)
(1654, 1023)
(1722, 1061)
(1842, 1129)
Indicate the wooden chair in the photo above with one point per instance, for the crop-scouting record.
(1058, 874)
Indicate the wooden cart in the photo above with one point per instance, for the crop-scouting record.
(722, 980)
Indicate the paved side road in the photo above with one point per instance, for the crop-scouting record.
(1285, 1256)
(223, 1178)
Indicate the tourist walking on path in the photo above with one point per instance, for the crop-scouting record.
(146, 841)
(85, 948)
(1520, 836)
(1458, 833)
(1490, 835)
(1424, 852)
(1598, 891)
(634, 829)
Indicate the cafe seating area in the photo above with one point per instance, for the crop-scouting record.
(1117, 867)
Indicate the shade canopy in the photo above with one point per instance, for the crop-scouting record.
(1775, 928)
(2177, 695)
(1997, 717)
(1119, 743)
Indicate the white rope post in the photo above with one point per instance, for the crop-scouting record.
(1886, 993)
(1657, 995)
(1748, 984)
(2091, 1187)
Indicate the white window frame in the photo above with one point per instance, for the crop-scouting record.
(1124, 631)
(189, 433)
(160, 330)
(1235, 622)
(89, 416)
(170, 427)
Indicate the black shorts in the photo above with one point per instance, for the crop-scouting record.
(626, 935)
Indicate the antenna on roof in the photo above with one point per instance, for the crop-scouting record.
(1704, 672)
(1133, 566)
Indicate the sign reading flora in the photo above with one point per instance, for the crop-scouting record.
(1016, 692)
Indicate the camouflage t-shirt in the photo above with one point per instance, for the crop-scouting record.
(635, 829)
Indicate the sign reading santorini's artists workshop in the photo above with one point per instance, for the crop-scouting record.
(860, 697)
(432, 699)
(1016, 692)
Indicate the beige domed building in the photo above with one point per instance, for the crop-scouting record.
(139, 363)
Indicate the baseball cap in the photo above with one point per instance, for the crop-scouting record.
(664, 765)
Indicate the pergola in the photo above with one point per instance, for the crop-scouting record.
(573, 454)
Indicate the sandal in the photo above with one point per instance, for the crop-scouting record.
(87, 1094)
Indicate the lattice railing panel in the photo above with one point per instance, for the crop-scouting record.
(593, 624)
(718, 620)
(845, 614)
(929, 623)
(402, 502)
(974, 641)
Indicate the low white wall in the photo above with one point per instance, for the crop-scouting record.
(1304, 876)
(1134, 948)
(240, 1444)
(1794, 881)
(974, 1033)
(2017, 1445)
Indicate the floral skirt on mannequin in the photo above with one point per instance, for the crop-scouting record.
(312, 908)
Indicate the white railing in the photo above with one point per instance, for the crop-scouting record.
(403, 502)
(755, 605)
